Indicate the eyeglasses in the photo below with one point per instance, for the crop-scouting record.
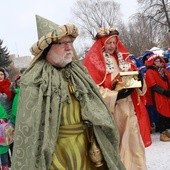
(64, 43)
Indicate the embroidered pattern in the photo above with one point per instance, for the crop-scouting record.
(124, 66)
(109, 63)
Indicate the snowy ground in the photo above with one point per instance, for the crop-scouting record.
(158, 154)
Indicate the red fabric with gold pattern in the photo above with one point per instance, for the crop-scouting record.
(94, 62)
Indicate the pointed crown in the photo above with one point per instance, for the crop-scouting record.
(44, 26)
(49, 32)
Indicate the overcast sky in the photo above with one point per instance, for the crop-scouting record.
(18, 25)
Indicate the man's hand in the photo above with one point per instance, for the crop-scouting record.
(124, 93)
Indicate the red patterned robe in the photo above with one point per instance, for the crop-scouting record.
(126, 112)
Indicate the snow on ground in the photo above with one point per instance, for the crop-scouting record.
(158, 154)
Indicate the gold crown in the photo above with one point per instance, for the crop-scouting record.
(106, 31)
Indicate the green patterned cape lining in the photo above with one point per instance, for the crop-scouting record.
(43, 91)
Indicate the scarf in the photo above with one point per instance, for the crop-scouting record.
(5, 88)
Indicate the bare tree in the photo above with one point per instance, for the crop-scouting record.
(90, 15)
(157, 12)
(138, 35)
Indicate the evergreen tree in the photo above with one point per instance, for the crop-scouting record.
(4, 56)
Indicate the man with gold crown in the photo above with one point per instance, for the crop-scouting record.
(61, 112)
(108, 63)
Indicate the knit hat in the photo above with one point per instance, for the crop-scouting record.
(49, 32)
(145, 54)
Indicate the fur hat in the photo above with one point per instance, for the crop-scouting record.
(49, 32)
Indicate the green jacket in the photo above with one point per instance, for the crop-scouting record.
(42, 93)
(15, 105)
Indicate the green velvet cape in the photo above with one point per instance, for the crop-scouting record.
(42, 93)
